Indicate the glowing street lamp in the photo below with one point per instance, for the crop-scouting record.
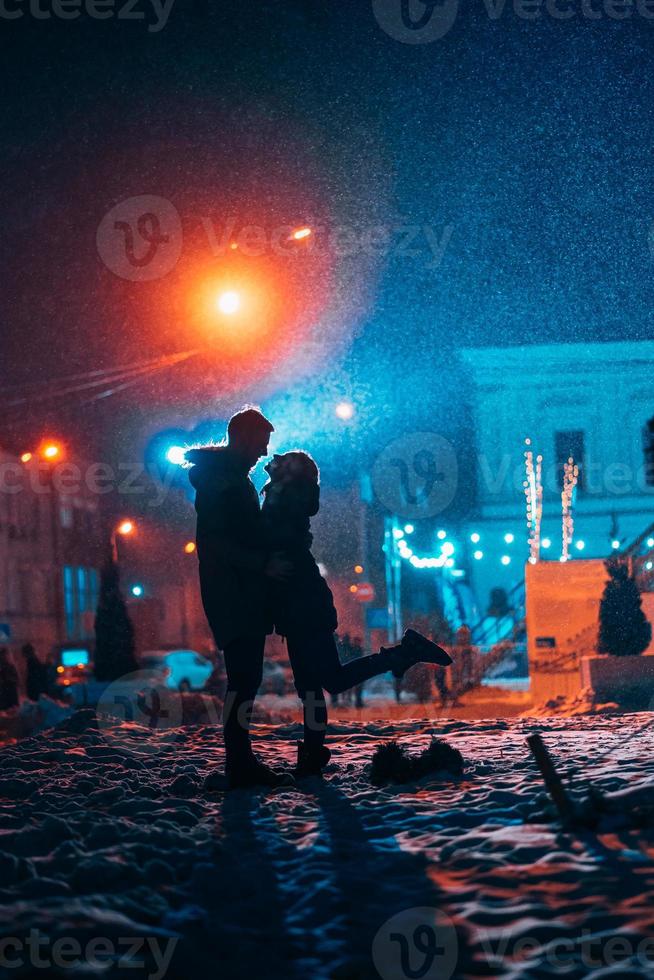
(228, 302)
(51, 451)
(301, 233)
(189, 548)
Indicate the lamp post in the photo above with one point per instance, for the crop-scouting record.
(123, 529)
(346, 411)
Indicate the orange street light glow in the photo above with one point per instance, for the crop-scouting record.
(26, 457)
(301, 233)
(51, 451)
(189, 547)
(358, 569)
(354, 588)
(125, 527)
(229, 302)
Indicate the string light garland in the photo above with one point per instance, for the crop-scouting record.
(570, 478)
(533, 486)
(444, 560)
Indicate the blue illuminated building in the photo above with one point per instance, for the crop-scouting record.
(594, 402)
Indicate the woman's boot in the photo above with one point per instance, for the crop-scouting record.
(415, 648)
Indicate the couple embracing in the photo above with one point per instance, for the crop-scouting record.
(257, 574)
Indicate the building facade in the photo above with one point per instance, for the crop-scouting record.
(51, 548)
(591, 402)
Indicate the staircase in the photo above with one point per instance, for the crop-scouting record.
(493, 630)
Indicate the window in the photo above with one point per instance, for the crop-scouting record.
(648, 452)
(80, 600)
(567, 444)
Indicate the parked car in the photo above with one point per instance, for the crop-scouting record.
(73, 668)
(179, 670)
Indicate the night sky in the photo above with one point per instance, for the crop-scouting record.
(524, 145)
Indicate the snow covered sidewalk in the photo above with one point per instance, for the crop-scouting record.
(111, 856)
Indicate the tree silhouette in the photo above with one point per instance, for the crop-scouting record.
(114, 632)
(624, 630)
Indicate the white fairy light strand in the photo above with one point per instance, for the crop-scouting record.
(570, 478)
(533, 486)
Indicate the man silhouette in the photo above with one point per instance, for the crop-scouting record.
(234, 565)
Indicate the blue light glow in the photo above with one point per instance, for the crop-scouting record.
(175, 455)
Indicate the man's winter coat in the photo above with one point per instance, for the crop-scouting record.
(230, 545)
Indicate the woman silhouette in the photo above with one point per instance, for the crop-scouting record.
(303, 609)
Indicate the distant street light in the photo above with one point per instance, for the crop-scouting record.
(189, 547)
(137, 591)
(344, 411)
(124, 528)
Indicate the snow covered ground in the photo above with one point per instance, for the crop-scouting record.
(113, 862)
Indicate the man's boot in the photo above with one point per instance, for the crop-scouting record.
(250, 772)
(311, 760)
